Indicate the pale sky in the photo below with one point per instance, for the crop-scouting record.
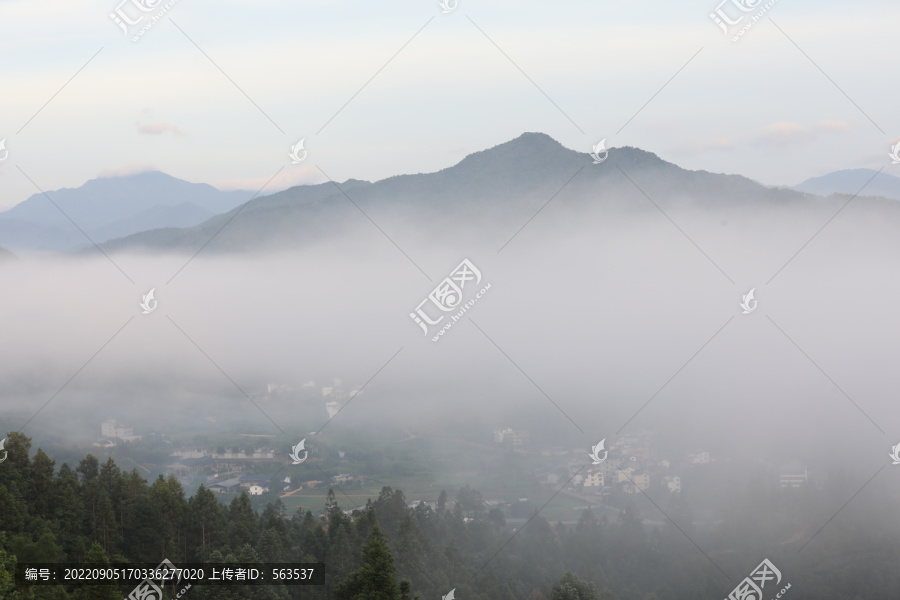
(468, 80)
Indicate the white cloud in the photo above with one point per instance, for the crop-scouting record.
(834, 125)
(788, 133)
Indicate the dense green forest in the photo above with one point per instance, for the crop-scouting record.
(387, 550)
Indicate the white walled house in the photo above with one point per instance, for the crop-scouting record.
(111, 429)
(700, 458)
(594, 479)
(257, 490)
(500, 434)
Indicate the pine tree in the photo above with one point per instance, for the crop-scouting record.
(331, 504)
(410, 551)
(13, 511)
(168, 502)
(104, 520)
(8, 574)
(206, 519)
(340, 555)
(41, 484)
(88, 468)
(96, 558)
(67, 511)
(269, 547)
(572, 588)
(139, 522)
(244, 525)
(375, 579)
(406, 593)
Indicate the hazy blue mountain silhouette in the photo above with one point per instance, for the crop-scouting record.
(488, 194)
(851, 181)
(111, 207)
(492, 188)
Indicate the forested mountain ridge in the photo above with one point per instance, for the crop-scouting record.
(110, 207)
(96, 513)
(479, 196)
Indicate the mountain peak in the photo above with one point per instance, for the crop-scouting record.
(865, 182)
(530, 152)
(534, 139)
(533, 149)
(149, 174)
(108, 207)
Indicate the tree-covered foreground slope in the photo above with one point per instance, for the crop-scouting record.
(388, 550)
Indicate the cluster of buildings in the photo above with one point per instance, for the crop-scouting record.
(191, 465)
(113, 432)
(629, 467)
(334, 394)
(233, 472)
(335, 397)
(514, 440)
(256, 485)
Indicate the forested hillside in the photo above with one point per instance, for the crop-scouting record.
(95, 513)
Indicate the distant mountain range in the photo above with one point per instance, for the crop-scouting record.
(109, 208)
(851, 181)
(491, 190)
